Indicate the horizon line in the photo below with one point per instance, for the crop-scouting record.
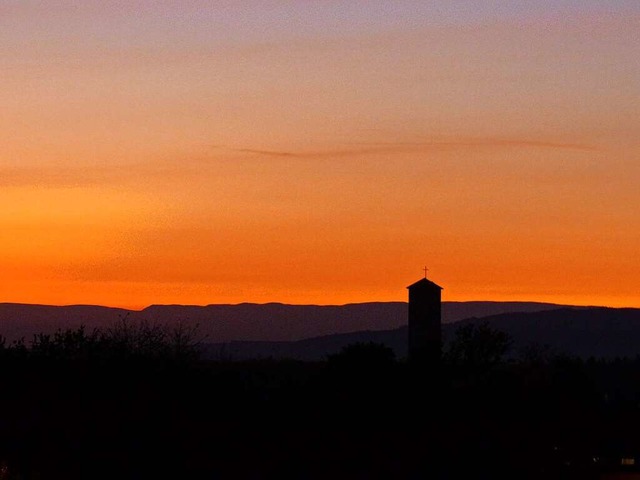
(141, 309)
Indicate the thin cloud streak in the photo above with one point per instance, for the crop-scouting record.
(94, 175)
(413, 147)
(496, 143)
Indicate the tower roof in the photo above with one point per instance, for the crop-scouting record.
(424, 283)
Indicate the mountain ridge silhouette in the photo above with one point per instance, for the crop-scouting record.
(245, 321)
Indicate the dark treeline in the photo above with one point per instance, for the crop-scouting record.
(136, 401)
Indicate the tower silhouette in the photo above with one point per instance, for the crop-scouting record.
(425, 311)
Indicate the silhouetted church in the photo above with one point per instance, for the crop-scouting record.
(425, 310)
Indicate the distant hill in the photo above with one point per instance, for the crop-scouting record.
(311, 332)
(598, 332)
(247, 321)
(585, 332)
(24, 321)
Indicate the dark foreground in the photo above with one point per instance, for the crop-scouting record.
(71, 412)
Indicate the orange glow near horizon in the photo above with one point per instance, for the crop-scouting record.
(182, 152)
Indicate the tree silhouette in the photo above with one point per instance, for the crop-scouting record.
(477, 347)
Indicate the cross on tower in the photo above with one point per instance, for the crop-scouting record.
(425, 271)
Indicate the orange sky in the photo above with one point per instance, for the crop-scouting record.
(184, 152)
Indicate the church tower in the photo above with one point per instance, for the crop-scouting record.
(425, 310)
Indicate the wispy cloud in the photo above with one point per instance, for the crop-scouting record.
(411, 147)
(67, 176)
(347, 152)
(491, 143)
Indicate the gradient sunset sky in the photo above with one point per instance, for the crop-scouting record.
(319, 151)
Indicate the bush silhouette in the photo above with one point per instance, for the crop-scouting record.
(123, 340)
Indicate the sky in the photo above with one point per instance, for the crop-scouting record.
(321, 152)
